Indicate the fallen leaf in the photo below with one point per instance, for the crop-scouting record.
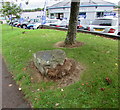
(102, 89)
(20, 89)
(108, 80)
(83, 84)
(108, 52)
(62, 89)
(31, 78)
(24, 69)
(56, 104)
(10, 85)
(38, 89)
(35, 98)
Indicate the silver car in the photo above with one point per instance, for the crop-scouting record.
(105, 25)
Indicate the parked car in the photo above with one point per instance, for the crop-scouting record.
(27, 22)
(50, 21)
(38, 25)
(59, 23)
(34, 25)
(2, 20)
(16, 23)
(105, 25)
(24, 24)
(79, 26)
(13, 21)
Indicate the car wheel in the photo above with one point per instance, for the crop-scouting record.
(66, 26)
(19, 26)
(118, 33)
(38, 28)
(24, 27)
(31, 27)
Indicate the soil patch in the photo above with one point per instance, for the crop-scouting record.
(62, 45)
(61, 80)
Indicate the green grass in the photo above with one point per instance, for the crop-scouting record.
(98, 55)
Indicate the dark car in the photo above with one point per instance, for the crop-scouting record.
(13, 21)
(15, 24)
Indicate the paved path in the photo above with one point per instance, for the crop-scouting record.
(11, 96)
(0, 82)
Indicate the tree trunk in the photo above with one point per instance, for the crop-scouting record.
(72, 28)
(11, 21)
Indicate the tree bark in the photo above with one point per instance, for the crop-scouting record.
(11, 21)
(72, 28)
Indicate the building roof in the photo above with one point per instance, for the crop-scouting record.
(83, 3)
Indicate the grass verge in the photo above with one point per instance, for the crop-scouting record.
(99, 55)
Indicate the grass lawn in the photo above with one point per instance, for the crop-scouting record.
(99, 56)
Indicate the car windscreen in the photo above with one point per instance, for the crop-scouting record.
(34, 20)
(102, 22)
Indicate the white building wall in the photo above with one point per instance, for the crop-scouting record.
(67, 15)
(86, 9)
(90, 13)
(31, 15)
(104, 9)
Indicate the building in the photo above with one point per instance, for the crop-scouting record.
(32, 15)
(117, 10)
(89, 10)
